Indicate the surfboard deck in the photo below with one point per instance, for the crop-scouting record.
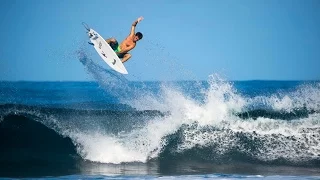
(106, 52)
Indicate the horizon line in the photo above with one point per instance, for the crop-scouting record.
(155, 80)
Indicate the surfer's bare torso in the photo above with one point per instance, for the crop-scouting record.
(128, 44)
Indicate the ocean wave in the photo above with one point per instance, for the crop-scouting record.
(225, 146)
(262, 141)
(224, 126)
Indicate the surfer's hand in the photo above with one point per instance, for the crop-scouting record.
(140, 19)
(137, 21)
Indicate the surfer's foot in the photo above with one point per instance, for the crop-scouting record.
(91, 43)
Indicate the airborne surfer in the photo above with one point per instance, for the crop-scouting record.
(128, 44)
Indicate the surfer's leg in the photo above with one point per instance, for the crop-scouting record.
(126, 57)
(113, 43)
(111, 40)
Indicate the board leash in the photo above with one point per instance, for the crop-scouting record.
(86, 26)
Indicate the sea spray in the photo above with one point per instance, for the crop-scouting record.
(210, 125)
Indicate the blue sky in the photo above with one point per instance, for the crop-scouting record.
(240, 40)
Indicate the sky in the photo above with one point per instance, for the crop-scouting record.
(183, 39)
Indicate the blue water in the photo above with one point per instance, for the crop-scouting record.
(115, 128)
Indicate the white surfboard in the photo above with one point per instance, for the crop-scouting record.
(106, 52)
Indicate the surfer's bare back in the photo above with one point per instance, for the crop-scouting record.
(128, 44)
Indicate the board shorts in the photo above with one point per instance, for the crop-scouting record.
(115, 46)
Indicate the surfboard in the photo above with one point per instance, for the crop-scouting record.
(106, 52)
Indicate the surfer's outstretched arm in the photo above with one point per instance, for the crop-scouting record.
(134, 24)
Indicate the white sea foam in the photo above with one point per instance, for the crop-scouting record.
(304, 96)
(294, 140)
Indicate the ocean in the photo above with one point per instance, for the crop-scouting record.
(113, 128)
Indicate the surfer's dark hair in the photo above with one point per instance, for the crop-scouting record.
(139, 34)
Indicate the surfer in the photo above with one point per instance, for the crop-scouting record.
(128, 44)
